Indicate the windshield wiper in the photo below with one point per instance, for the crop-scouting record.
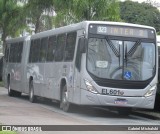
(113, 47)
(115, 51)
(125, 57)
(133, 49)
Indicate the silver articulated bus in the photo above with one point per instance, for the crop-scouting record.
(158, 44)
(89, 63)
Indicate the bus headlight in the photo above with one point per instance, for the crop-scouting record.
(150, 91)
(90, 87)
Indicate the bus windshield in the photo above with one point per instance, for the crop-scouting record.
(121, 59)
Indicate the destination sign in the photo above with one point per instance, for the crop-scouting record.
(124, 31)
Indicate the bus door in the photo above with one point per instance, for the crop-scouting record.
(77, 75)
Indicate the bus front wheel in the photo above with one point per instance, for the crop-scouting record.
(32, 97)
(64, 104)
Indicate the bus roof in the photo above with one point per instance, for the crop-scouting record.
(83, 25)
(18, 39)
(120, 24)
(72, 27)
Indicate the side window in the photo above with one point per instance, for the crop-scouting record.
(6, 52)
(51, 48)
(60, 47)
(19, 52)
(43, 49)
(15, 52)
(70, 46)
(11, 56)
(36, 50)
(31, 51)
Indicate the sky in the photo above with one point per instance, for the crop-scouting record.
(143, 0)
(155, 3)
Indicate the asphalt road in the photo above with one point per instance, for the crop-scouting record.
(19, 111)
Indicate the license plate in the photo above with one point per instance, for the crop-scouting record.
(113, 92)
(121, 101)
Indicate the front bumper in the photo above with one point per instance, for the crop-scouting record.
(88, 98)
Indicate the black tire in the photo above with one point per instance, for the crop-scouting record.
(32, 97)
(10, 91)
(124, 111)
(64, 104)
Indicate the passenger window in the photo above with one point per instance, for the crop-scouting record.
(15, 53)
(36, 50)
(43, 49)
(7, 52)
(51, 48)
(60, 47)
(31, 51)
(70, 46)
(19, 52)
(11, 56)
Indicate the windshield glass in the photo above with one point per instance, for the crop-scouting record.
(121, 60)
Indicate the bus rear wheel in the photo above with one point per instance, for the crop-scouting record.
(10, 91)
(64, 104)
(32, 97)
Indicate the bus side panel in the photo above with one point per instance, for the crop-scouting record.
(13, 76)
(25, 80)
(18, 77)
(50, 80)
(77, 73)
(68, 74)
(6, 71)
(36, 70)
(53, 78)
(58, 75)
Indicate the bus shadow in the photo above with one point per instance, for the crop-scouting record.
(95, 111)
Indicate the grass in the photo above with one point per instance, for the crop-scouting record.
(1, 85)
(7, 132)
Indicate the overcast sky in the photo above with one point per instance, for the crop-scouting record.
(155, 3)
(143, 0)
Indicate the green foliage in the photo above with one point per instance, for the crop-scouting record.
(140, 13)
(12, 20)
(78, 10)
(8, 132)
(38, 13)
(35, 10)
(10, 17)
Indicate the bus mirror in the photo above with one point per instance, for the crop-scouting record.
(82, 45)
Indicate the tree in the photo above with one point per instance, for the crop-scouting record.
(155, 3)
(68, 12)
(11, 19)
(78, 10)
(38, 12)
(140, 13)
